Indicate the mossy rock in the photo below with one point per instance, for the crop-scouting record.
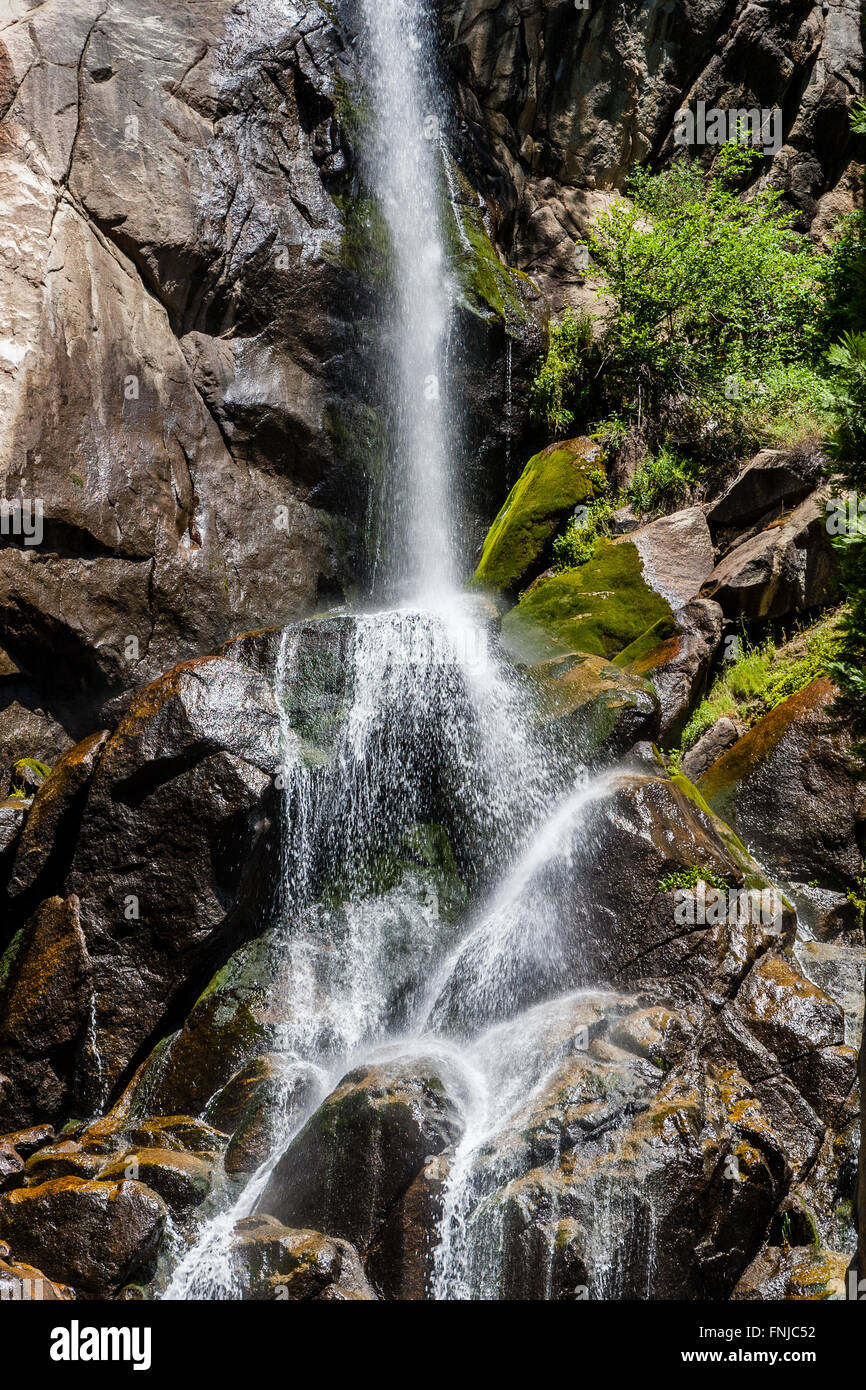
(552, 484)
(656, 647)
(600, 608)
(489, 286)
(602, 710)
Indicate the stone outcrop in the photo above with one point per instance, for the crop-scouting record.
(790, 790)
(549, 134)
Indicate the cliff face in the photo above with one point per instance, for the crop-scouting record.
(560, 100)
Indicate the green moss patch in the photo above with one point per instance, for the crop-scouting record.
(551, 485)
(600, 608)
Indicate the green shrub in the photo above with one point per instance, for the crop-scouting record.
(690, 878)
(847, 401)
(763, 676)
(660, 484)
(561, 383)
(708, 290)
(576, 546)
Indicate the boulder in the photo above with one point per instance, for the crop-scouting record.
(598, 608)
(772, 482)
(21, 1282)
(553, 483)
(28, 733)
(676, 553)
(794, 1274)
(13, 814)
(789, 567)
(797, 759)
(675, 655)
(271, 1261)
(363, 1147)
(276, 1102)
(92, 1235)
(182, 1180)
(45, 997)
(11, 1167)
(633, 838)
(593, 707)
(55, 807)
(197, 751)
(703, 753)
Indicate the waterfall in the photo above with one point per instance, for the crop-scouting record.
(434, 731)
(405, 169)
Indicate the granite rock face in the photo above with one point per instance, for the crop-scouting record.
(558, 102)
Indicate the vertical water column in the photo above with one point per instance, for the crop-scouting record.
(404, 170)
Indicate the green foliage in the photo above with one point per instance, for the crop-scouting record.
(844, 276)
(23, 766)
(709, 291)
(660, 484)
(576, 546)
(848, 402)
(690, 878)
(561, 383)
(763, 676)
(848, 444)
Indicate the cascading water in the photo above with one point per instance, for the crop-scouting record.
(433, 733)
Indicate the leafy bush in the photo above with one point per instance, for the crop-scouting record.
(709, 290)
(577, 544)
(661, 482)
(561, 383)
(848, 402)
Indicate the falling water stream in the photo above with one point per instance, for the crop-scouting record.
(433, 719)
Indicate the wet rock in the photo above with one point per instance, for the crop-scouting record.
(401, 1261)
(275, 1105)
(555, 482)
(64, 1160)
(363, 1147)
(629, 841)
(786, 1012)
(21, 1282)
(28, 1141)
(789, 567)
(182, 1180)
(676, 553)
(796, 759)
(93, 1235)
(45, 981)
(710, 746)
(28, 733)
(11, 1167)
(274, 1262)
(153, 904)
(828, 913)
(13, 814)
(798, 1274)
(772, 482)
(675, 655)
(56, 804)
(599, 710)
